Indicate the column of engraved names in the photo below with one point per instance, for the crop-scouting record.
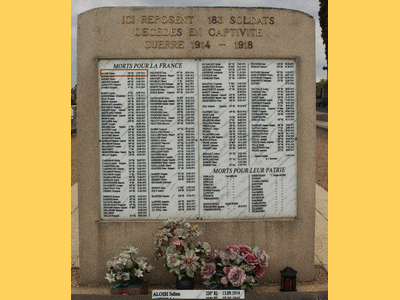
(236, 184)
(224, 165)
(162, 158)
(111, 146)
(187, 192)
(172, 140)
(238, 114)
(137, 132)
(263, 126)
(289, 108)
(213, 96)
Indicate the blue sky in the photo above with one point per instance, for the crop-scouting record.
(308, 6)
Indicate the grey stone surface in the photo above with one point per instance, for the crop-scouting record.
(322, 295)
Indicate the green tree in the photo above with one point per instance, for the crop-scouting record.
(320, 84)
(73, 95)
(323, 22)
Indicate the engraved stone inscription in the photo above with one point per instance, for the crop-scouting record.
(210, 138)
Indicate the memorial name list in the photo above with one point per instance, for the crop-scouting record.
(198, 138)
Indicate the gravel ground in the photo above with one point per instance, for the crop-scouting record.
(322, 159)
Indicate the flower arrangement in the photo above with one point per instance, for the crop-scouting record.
(237, 266)
(126, 269)
(175, 245)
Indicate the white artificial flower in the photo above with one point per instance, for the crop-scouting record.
(125, 276)
(149, 268)
(173, 260)
(250, 280)
(110, 264)
(162, 236)
(129, 264)
(248, 268)
(138, 273)
(206, 246)
(110, 277)
(124, 256)
(180, 232)
(238, 260)
(195, 230)
(190, 261)
(224, 255)
(118, 265)
(170, 250)
(142, 265)
(131, 250)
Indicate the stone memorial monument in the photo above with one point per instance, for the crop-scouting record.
(196, 112)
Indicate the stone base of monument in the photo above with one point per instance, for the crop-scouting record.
(135, 289)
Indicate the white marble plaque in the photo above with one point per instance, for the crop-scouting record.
(211, 138)
(198, 294)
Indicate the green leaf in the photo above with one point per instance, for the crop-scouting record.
(176, 270)
(243, 286)
(180, 276)
(213, 285)
(191, 274)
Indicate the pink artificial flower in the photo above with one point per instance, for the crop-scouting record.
(212, 255)
(259, 271)
(263, 259)
(226, 270)
(244, 249)
(175, 241)
(208, 270)
(251, 259)
(232, 248)
(236, 276)
(178, 243)
(224, 280)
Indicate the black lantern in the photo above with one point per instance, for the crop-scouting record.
(288, 280)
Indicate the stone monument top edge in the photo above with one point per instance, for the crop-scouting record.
(196, 7)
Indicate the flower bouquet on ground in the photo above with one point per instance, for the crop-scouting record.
(126, 269)
(176, 246)
(237, 267)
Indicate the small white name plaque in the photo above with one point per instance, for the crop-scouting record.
(198, 294)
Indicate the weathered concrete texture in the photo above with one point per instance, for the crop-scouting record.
(321, 227)
(101, 34)
(321, 248)
(74, 227)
